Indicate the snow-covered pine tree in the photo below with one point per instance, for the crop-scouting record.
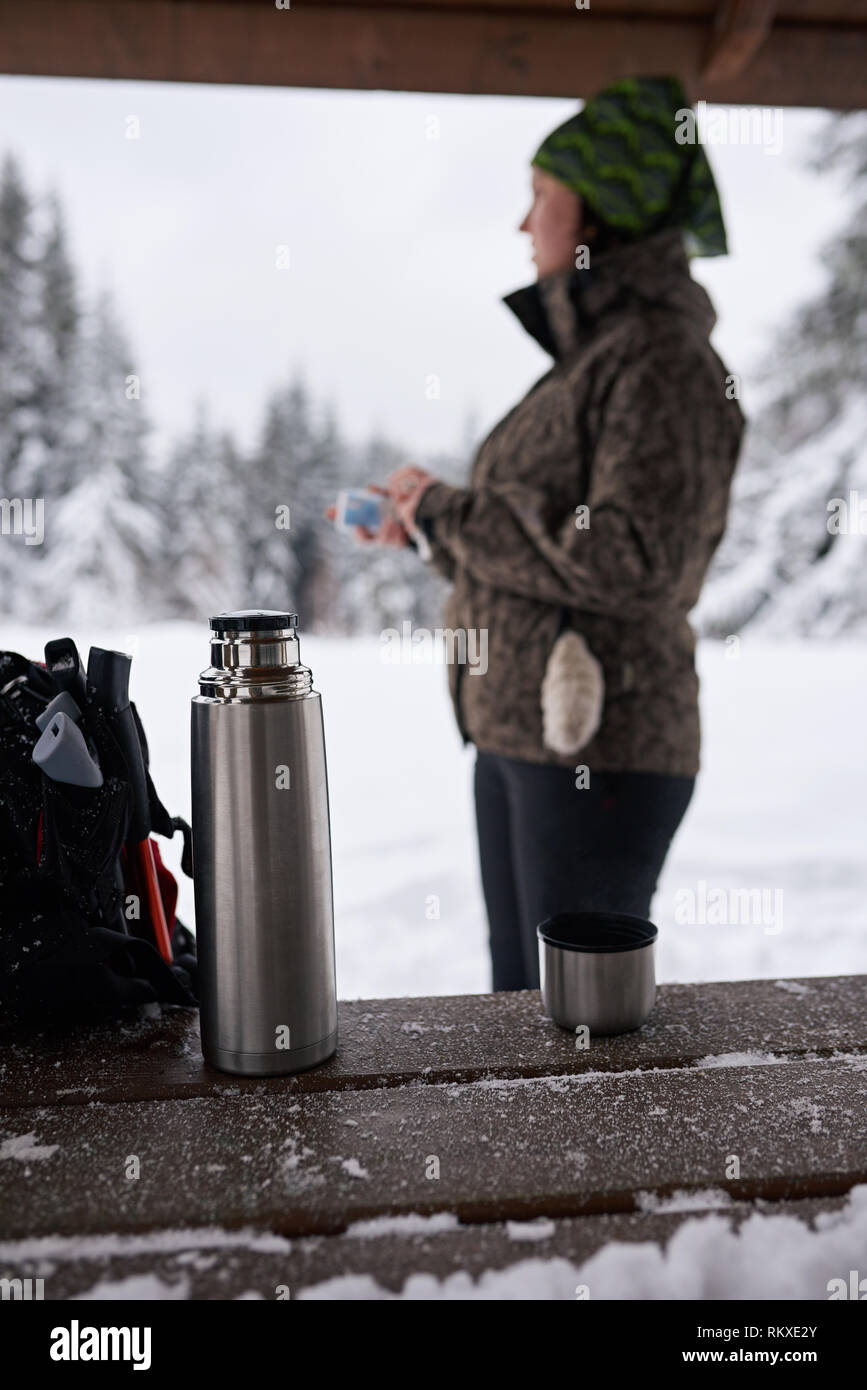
(48, 468)
(287, 484)
(269, 569)
(19, 309)
(795, 554)
(102, 523)
(200, 496)
(57, 328)
(19, 376)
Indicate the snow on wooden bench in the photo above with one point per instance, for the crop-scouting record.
(392, 1042)
(449, 1123)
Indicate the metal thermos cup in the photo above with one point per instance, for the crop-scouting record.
(597, 970)
(262, 852)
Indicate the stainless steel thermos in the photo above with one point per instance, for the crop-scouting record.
(262, 852)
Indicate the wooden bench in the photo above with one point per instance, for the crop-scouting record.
(122, 1156)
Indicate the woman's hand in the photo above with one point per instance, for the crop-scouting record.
(391, 530)
(405, 487)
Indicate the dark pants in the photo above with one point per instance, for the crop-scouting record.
(545, 847)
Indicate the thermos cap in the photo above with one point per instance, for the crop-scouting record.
(253, 620)
(255, 656)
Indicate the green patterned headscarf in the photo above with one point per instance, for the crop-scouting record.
(621, 155)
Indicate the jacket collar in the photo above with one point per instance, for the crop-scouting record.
(561, 310)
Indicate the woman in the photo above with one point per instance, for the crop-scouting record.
(581, 541)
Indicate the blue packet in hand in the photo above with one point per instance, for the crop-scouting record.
(359, 506)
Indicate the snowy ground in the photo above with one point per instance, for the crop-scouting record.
(779, 808)
(768, 1257)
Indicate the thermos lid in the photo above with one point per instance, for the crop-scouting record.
(253, 620)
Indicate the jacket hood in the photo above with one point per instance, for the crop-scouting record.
(560, 310)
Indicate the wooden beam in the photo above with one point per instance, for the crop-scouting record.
(740, 28)
(274, 1160)
(417, 49)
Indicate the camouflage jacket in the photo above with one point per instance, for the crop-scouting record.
(593, 508)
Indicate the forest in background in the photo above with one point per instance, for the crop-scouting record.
(132, 537)
(793, 561)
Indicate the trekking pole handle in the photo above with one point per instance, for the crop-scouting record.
(109, 672)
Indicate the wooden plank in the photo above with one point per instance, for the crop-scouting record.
(822, 12)
(740, 29)
(803, 11)
(484, 1151)
(635, 8)
(209, 1263)
(418, 49)
(390, 1042)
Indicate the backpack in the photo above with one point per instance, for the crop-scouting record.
(87, 909)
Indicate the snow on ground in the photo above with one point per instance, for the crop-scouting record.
(778, 808)
(768, 1257)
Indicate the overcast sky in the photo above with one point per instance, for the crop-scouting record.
(400, 245)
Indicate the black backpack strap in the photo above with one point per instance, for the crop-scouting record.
(179, 823)
(161, 822)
